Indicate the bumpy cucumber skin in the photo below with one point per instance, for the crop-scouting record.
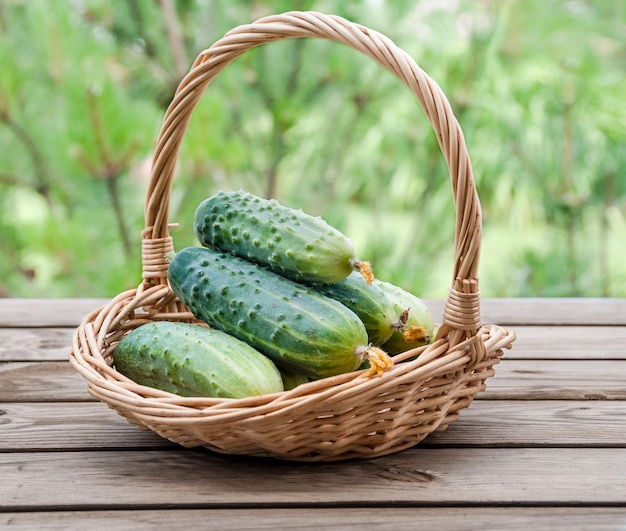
(300, 329)
(192, 360)
(287, 241)
(366, 300)
(419, 315)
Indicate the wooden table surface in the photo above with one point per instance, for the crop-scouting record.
(543, 447)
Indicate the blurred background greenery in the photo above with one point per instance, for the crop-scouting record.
(538, 86)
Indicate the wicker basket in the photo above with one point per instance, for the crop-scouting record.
(348, 416)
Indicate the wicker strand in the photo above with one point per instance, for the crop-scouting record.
(462, 310)
(154, 253)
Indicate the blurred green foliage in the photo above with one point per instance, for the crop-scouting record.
(537, 85)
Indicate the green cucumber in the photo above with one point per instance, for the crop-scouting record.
(418, 329)
(287, 241)
(300, 329)
(192, 360)
(291, 379)
(369, 302)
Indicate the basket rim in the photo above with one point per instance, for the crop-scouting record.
(432, 388)
(104, 327)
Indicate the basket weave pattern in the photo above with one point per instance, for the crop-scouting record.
(347, 416)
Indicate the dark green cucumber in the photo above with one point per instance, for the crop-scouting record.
(368, 301)
(300, 329)
(291, 380)
(419, 327)
(287, 241)
(192, 360)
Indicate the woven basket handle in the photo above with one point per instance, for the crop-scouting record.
(461, 319)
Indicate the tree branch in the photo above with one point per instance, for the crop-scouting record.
(110, 168)
(42, 185)
(9, 180)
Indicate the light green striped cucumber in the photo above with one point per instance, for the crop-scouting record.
(192, 360)
(287, 241)
(300, 329)
(419, 327)
(379, 315)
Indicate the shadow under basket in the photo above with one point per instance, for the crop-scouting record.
(348, 416)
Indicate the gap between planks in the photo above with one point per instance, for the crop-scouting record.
(533, 342)
(514, 380)
(327, 518)
(421, 476)
(504, 311)
(509, 423)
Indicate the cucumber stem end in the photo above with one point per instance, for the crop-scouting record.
(365, 268)
(378, 358)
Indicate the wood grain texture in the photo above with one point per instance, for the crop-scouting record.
(35, 344)
(38, 426)
(555, 311)
(153, 478)
(557, 380)
(46, 426)
(330, 518)
(558, 423)
(40, 382)
(569, 342)
(533, 342)
(543, 447)
(46, 312)
(528, 311)
(513, 380)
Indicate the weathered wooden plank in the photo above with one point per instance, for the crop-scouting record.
(569, 342)
(533, 342)
(41, 381)
(543, 311)
(35, 344)
(69, 425)
(335, 519)
(514, 380)
(501, 423)
(46, 312)
(546, 311)
(157, 478)
(554, 311)
(557, 380)
(504, 311)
